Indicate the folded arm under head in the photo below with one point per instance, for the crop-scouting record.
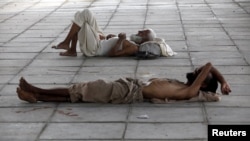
(211, 81)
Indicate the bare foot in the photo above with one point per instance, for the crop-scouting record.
(68, 53)
(26, 96)
(24, 85)
(62, 45)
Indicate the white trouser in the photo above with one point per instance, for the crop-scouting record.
(88, 35)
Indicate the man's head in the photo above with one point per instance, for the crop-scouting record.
(143, 36)
(210, 83)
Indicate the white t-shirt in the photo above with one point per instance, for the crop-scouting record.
(106, 45)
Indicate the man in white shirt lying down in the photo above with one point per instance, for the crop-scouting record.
(94, 43)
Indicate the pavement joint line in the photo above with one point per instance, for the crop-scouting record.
(227, 33)
(237, 3)
(184, 34)
(126, 122)
(115, 11)
(146, 14)
(18, 13)
(31, 60)
(25, 28)
(47, 122)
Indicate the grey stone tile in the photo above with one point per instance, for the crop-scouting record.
(162, 72)
(220, 61)
(8, 90)
(9, 70)
(231, 101)
(239, 70)
(213, 48)
(54, 54)
(49, 70)
(57, 63)
(166, 114)
(16, 56)
(8, 49)
(5, 79)
(240, 90)
(210, 43)
(45, 79)
(26, 114)
(93, 77)
(181, 104)
(166, 131)
(14, 101)
(228, 115)
(238, 79)
(91, 114)
(165, 62)
(78, 131)
(101, 62)
(13, 63)
(220, 54)
(17, 131)
(107, 70)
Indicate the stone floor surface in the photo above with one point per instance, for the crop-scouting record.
(200, 31)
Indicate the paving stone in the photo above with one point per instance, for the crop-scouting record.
(233, 100)
(16, 131)
(220, 62)
(215, 55)
(91, 114)
(166, 131)
(57, 63)
(13, 63)
(5, 78)
(49, 71)
(14, 101)
(99, 61)
(9, 70)
(108, 77)
(44, 79)
(213, 48)
(83, 131)
(107, 70)
(160, 114)
(9, 56)
(165, 62)
(228, 115)
(238, 79)
(42, 114)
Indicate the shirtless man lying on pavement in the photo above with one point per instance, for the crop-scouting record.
(94, 43)
(202, 80)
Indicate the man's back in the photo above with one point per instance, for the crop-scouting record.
(164, 89)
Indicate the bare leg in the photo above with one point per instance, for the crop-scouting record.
(32, 94)
(71, 51)
(24, 85)
(66, 43)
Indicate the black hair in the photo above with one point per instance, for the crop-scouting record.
(211, 85)
(211, 82)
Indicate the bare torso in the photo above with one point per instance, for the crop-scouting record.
(164, 89)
